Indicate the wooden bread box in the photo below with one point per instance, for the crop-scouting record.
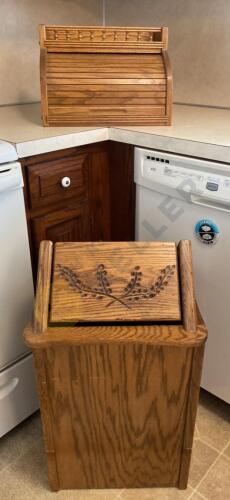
(105, 76)
(118, 345)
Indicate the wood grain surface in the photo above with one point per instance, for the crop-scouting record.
(69, 224)
(99, 196)
(188, 301)
(161, 335)
(45, 409)
(115, 282)
(193, 399)
(82, 39)
(45, 183)
(118, 414)
(119, 400)
(122, 191)
(105, 76)
(100, 174)
(41, 305)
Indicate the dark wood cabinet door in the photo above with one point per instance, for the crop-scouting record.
(99, 196)
(122, 191)
(69, 224)
(98, 205)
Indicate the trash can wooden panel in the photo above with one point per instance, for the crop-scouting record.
(114, 282)
(118, 380)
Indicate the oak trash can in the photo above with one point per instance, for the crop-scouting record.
(118, 344)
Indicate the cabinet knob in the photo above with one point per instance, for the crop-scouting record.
(65, 182)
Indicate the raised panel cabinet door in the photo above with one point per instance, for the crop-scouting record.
(68, 224)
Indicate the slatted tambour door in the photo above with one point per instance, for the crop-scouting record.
(105, 76)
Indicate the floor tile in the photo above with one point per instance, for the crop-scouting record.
(196, 496)
(23, 472)
(196, 432)
(89, 495)
(30, 469)
(213, 421)
(202, 458)
(156, 494)
(227, 451)
(13, 488)
(216, 485)
(20, 439)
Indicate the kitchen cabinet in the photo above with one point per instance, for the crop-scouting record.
(68, 224)
(122, 191)
(84, 193)
(59, 179)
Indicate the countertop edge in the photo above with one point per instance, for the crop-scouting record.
(178, 145)
(181, 146)
(56, 143)
(205, 150)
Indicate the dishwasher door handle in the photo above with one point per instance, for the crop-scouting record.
(204, 202)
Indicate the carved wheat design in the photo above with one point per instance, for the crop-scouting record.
(134, 290)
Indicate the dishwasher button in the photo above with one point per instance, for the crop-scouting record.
(212, 186)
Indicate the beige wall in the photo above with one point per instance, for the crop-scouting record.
(19, 53)
(199, 43)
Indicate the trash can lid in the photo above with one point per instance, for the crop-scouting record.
(126, 281)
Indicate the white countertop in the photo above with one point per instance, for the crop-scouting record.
(196, 131)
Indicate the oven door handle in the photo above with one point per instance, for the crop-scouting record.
(9, 387)
(10, 177)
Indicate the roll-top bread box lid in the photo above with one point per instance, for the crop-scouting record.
(114, 282)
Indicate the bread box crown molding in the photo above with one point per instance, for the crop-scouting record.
(105, 76)
(109, 39)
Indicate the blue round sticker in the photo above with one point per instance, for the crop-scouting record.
(207, 231)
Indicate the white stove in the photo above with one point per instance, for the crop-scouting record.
(17, 382)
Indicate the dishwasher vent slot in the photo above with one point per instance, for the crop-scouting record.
(156, 158)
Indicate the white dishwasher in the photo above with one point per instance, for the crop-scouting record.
(17, 381)
(184, 198)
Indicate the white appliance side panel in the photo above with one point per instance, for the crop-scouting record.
(18, 397)
(8, 152)
(211, 271)
(16, 289)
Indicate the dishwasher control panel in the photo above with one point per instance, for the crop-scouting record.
(189, 175)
